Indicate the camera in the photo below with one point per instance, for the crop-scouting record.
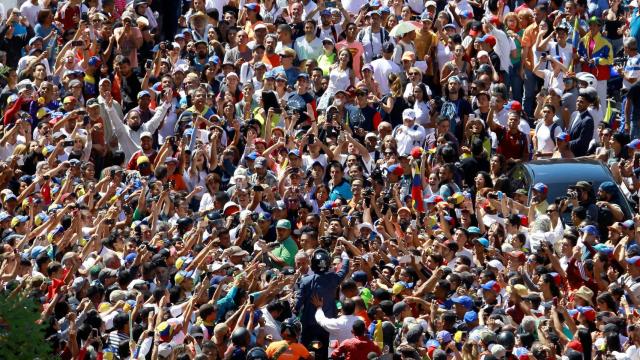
(620, 61)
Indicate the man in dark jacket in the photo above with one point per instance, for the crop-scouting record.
(9, 42)
(582, 126)
(323, 283)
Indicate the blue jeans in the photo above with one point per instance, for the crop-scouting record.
(634, 122)
(515, 82)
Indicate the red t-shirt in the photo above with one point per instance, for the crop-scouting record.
(69, 16)
(512, 146)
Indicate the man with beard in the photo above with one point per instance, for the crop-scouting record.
(128, 81)
(609, 198)
(308, 46)
(146, 144)
(270, 56)
(129, 135)
(144, 99)
(201, 57)
(448, 187)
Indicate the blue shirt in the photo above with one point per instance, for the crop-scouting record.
(341, 191)
(291, 73)
(226, 304)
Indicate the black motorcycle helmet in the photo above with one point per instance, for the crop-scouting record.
(257, 354)
(506, 339)
(291, 328)
(320, 261)
(240, 337)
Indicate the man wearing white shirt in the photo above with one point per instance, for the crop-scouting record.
(505, 46)
(373, 36)
(409, 134)
(559, 47)
(339, 329)
(384, 66)
(308, 46)
(631, 71)
(30, 10)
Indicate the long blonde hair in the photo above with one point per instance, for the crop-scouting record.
(396, 87)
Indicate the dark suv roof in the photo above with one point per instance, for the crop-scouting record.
(558, 174)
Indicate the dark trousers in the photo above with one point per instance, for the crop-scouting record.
(316, 333)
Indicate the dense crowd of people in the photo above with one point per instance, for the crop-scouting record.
(284, 180)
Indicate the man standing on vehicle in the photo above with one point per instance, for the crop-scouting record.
(582, 124)
(324, 282)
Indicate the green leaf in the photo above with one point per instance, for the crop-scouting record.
(20, 336)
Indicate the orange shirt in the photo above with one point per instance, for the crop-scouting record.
(178, 182)
(528, 40)
(273, 60)
(294, 351)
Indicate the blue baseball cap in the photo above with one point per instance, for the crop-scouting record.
(491, 285)
(608, 186)
(470, 316)
(252, 156)
(633, 260)
(628, 224)
(464, 300)
(634, 144)
(295, 152)
(474, 230)
(602, 248)
(484, 242)
(591, 230)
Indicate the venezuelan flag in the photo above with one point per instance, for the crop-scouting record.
(416, 189)
(575, 40)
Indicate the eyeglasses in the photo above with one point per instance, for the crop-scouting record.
(551, 211)
(388, 153)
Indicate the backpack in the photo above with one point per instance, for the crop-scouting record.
(450, 111)
(384, 36)
(554, 126)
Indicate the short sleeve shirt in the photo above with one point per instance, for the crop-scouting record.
(287, 251)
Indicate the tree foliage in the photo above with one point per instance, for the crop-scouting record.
(20, 336)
